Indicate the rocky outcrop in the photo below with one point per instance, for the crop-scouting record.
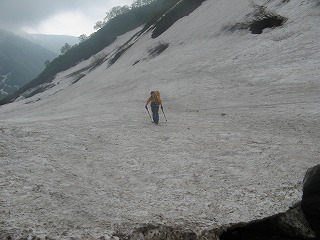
(311, 199)
(289, 225)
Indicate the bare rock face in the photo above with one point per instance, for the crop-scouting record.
(289, 225)
(293, 224)
(311, 199)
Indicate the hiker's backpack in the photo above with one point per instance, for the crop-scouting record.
(158, 95)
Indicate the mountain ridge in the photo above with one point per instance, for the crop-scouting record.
(21, 61)
(52, 42)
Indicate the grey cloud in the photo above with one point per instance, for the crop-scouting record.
(15, 14)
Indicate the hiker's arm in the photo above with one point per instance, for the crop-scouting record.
(149, 99)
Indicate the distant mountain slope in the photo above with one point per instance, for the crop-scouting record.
(53, 42)
(20, 61)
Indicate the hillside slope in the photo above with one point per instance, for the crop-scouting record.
(53, 42)
(20, 61)
(82, 160)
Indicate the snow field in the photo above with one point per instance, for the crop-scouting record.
(83, 160)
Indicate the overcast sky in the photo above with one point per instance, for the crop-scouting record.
(61, 17)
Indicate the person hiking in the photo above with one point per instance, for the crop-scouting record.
(155, 102)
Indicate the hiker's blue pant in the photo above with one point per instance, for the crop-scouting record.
(155, 112)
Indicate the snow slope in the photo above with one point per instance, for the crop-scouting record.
(83, 160)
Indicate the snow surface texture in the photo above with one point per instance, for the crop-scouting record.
(83, 160)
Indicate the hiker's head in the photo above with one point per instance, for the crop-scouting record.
(153, 93)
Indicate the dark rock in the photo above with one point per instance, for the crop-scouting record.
(289, 225)
(311, 198)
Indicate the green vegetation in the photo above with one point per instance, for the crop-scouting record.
(119, 10)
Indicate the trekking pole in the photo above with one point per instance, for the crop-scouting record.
(149, 114)
(164, 114)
